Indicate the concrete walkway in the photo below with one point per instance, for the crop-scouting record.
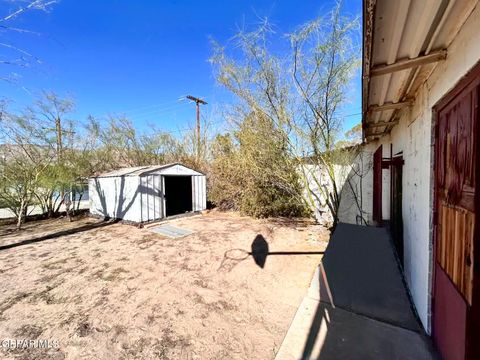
(357, 306)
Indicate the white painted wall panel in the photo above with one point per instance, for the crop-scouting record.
(194, 193)
(158, 196)
(413, 136)
(144, 198)
(359, 193)
(152, 197)
(199, 196)
(203, 192)
(116, 198)
(463, 54)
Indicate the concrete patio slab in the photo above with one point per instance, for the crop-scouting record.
(364, 277)
(171, 231)
(320, 331)
(357, 306)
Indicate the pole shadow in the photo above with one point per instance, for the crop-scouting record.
(259, 250)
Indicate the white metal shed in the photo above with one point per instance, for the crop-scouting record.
(147, 193)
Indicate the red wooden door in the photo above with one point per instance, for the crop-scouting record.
(455, 219)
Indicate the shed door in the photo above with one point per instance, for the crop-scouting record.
(151, 190)
(455, 151)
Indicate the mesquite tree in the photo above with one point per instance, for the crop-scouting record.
(24, 161)
(301, 89)
(50, 114)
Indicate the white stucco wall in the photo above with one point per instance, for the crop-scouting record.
(314, 180)
(359, 193)
(317, 184)
(413, 136)
(414, 133)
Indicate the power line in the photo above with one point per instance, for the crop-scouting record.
(171, 108)
(351, 114)
(159, 111)
(150, 106)
(174, 103)
(191, 128)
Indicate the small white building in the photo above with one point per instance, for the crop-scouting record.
(147, 193)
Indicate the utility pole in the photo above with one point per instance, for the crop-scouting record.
(197, 101)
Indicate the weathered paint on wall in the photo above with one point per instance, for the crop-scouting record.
(317, 184)
(463, 54)
(413, 137)
(358, 193)
(314, 180)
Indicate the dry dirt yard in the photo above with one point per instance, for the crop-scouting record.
(114, 291)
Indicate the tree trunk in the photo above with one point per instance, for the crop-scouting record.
(67, 210)
(79, 199)
(21, 215)
(68, 203)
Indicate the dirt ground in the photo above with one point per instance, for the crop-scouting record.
(114, 291)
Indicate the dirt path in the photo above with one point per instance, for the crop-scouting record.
(119, 292)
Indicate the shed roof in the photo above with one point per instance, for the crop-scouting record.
(402, 43)
(138, 170)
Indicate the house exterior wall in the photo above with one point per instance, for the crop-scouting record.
(115, 197)
(413, 136)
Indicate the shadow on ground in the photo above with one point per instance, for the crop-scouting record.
(58, 234)
(259, 251)
(357, 306)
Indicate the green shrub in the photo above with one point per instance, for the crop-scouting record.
(252, 173)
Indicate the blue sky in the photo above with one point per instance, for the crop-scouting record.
(140, 57)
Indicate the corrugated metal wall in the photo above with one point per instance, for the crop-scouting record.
(199, 193)
(115, 197)
(138, 199)
(152, 197)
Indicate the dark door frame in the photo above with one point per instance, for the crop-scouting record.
(470, 80)
(395, 164)
(377, 186)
